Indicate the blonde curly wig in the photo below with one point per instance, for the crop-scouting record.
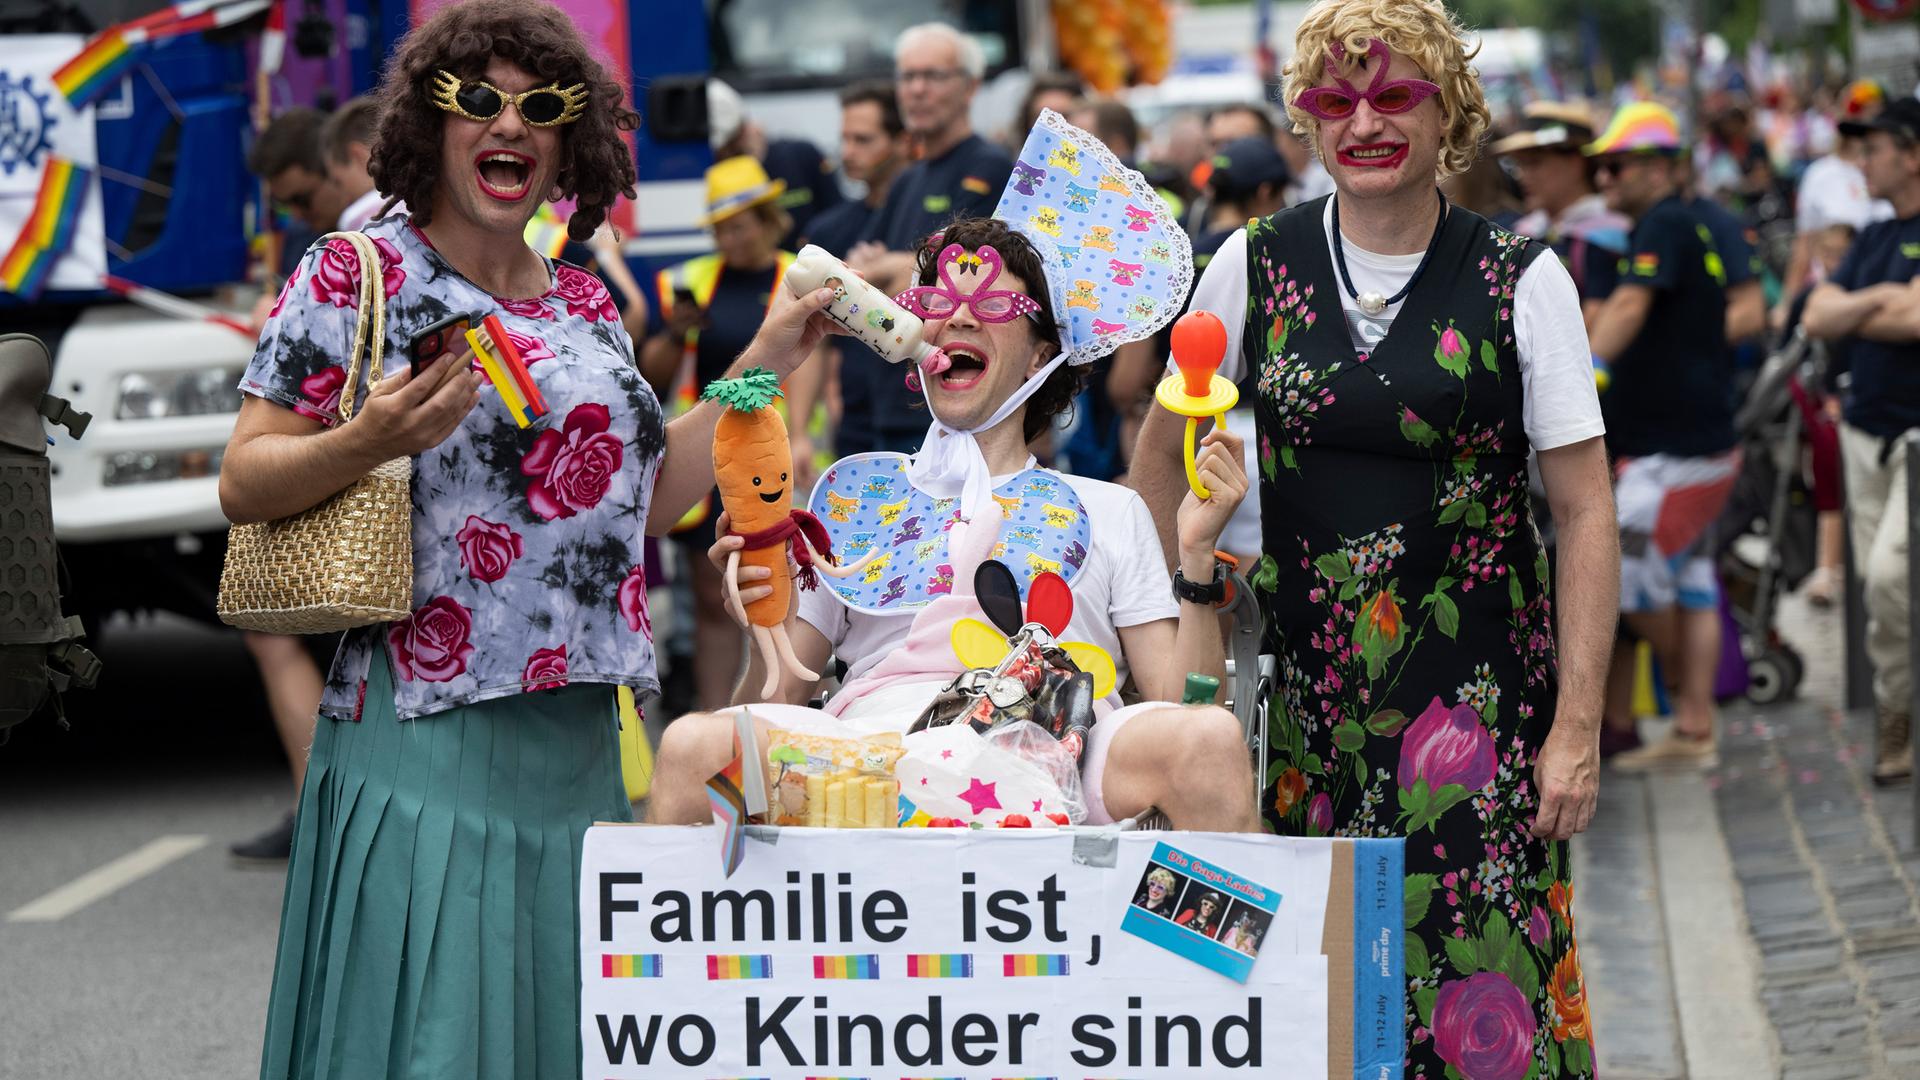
(1421, 30)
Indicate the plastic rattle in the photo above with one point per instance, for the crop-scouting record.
(1199, 344)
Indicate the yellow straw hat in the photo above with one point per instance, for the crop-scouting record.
(737, 184)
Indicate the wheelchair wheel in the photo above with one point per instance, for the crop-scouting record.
(1773, 676)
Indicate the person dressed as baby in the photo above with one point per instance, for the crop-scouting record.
(993, 293)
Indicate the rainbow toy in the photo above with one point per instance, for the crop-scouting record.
(48, 231)
(629, 966)
(1199, 344)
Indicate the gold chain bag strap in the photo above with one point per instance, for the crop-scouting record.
(349, 560)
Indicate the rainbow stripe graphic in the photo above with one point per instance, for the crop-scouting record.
(629, 966)
(739, 967)
(940, 966)
(1021, 965)
(846, 967)
(48, 230)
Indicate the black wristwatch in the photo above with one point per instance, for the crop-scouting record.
(1212, 594)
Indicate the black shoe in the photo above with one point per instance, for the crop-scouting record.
(274, 845)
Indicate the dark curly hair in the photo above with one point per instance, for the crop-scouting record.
(596, 165)
(1055, 396)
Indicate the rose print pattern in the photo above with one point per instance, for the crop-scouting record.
(527, 543)
(335, 275)
(572, 468)
(1408, 602)
(487, 548)
(633, 601)
(585, 295)
(546, 669)
(431, 644)
(321, 391)
(528, 309)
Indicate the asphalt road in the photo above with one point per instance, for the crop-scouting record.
(159, 964)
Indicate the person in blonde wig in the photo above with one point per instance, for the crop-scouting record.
(1407, 356)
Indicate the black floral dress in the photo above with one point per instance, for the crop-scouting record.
(1406, 593)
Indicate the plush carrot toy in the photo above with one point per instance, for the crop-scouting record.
(753, 464)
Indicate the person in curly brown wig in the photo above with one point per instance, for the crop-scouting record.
(593, 163)
(463, 750)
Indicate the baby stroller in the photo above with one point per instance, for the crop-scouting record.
(1767, 533)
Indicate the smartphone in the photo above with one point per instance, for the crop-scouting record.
(447, 337)
(685, 295)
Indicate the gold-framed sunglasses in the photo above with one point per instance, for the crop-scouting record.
(476, 99)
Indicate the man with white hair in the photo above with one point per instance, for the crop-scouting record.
(937, 70)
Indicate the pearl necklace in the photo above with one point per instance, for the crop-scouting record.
(1372, 302)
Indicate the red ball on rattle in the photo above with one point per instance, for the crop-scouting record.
(1199, 344)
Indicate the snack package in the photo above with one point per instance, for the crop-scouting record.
(831, 782)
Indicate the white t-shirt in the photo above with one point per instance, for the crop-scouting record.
(1124, 583)
(361, 211)
(1834, 192)
(1560, 403)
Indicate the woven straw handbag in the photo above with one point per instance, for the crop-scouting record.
(349, 560)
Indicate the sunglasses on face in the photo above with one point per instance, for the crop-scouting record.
(934, 303)
(990, 305)
(1339, 101)
(476, 99)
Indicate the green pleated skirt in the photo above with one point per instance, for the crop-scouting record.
(430, 927)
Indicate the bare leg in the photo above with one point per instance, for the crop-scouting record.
(1661, 630)
(1620, 675)
(1192, 763)
(293, 685)
(719, 645)
(1694, 708)
(694, 748)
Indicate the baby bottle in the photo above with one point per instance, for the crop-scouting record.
(865, 312)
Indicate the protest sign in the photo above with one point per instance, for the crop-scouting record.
(963, 953)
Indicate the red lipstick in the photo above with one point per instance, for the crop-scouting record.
(512, 174)
(1378, 155)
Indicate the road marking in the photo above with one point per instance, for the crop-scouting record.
(98, 883)
(1716, 974)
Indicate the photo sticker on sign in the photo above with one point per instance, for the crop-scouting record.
(1204, 912)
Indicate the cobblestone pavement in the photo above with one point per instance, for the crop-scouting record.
(1824, 870)
(1828, 869)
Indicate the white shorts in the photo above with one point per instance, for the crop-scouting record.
(1667, 506)
(864, 718)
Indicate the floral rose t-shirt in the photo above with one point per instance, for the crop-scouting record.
(526, 543)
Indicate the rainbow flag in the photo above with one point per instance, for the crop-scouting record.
(95, 67)
(626, 966)
(940, 966)
(846, 967)
(1020, 965)
(104, 58)
(739, 967)
(48, 231)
